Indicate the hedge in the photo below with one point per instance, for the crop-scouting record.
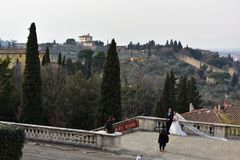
(11, 143)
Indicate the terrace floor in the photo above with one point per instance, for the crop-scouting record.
(145, 143)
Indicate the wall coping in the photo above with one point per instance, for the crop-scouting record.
(60, 129)
(215, 124)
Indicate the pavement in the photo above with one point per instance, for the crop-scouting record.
(144, 143)
(181, 148)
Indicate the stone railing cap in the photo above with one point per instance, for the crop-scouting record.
(109, 134)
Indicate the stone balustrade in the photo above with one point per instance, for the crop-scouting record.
(100, 139)
(212, 129)
(67, 136)
(154, 124)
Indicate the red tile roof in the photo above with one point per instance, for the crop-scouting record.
(230, 115)
(203, 115)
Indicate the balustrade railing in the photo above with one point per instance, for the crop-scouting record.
(212, 129)
(101, 139)
(68, 136)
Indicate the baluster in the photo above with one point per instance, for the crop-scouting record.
(230, 131)
(238, 132)
(226, 131)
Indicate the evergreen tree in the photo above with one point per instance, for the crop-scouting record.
(60, 58)
(167, 44)
(99, 60)
(171, 43)
(175, 46)
(8, 95)
(193, 94)
(182, 99)
(47, 54)
(44, 60)
(32, 109)
(180, 45)
(63, 61)
(110, 87)
(164, 103)
(85, 61)
(149, 54)
(234, 80)
(172, 90)
(70, 66)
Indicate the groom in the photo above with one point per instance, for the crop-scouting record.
(169, 119)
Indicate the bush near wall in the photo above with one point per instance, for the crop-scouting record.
(11, 143)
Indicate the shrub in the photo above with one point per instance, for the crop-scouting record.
(11, 143)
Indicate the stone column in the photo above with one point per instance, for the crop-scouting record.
(109, 141)
(146, 124)
(219, 131)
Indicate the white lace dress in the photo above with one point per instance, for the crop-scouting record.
(175, 128)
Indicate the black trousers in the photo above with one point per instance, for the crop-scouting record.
(162, 146)
(168, 125)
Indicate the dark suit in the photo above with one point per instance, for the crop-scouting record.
(169, 119)
(162, 140)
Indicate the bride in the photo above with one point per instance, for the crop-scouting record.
(175, 128)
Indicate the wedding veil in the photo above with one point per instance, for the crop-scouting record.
(196, 131)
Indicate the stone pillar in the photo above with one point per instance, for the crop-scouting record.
(219, 131)
(109, 141)
(191, 107)
(146, 124)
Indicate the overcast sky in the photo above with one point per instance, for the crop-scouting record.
(199, 23)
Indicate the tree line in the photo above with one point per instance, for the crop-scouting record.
(178, 94)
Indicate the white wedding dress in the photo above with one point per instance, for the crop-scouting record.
(175, 128)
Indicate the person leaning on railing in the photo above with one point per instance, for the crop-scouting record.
(110, 125)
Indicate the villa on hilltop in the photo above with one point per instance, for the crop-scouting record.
(86, 40)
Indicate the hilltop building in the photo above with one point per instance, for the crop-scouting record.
(86, 40)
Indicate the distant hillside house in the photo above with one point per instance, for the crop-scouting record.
(16, 55)
(228, 113)
(86, 40)
(210, 80)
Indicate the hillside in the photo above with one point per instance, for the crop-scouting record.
(213, 74)
(144, 68)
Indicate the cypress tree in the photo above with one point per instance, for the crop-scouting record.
(32, 110)
(167, 44)
(234, 80)
(59, 58)
(182, 99)
(172, 90)
(110, 87)
(44, 60)
(193, 95)
(175, 46)
(164, 103)
(180, 45)
(63, 61)
(47, 54)
(171, 43)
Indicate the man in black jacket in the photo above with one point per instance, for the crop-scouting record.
(163, 139)
(169, 119)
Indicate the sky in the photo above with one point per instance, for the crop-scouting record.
(198, 23)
